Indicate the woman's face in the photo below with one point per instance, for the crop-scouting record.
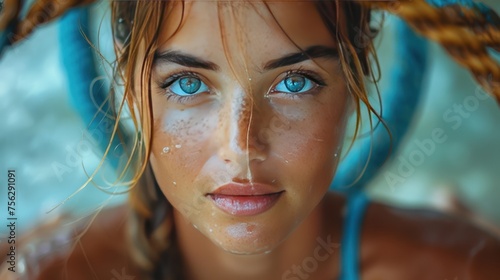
(248, 118)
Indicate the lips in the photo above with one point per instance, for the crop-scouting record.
(245, 199)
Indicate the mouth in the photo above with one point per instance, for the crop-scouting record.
(245, 199)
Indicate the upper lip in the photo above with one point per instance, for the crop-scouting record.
(245, 189)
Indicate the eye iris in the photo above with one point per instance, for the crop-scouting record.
(295, 83)
(190, 85)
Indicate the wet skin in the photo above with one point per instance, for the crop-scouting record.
(244, 125)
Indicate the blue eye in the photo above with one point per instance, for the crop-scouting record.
(188, 85)
(295, 84)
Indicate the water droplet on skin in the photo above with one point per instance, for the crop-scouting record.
(210, 230)
(273, 181)
(250, 228)
(175, 183)
(335, 155)
(165, 150)
(240, 230)
(178, 146)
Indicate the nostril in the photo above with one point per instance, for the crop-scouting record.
(241, 180)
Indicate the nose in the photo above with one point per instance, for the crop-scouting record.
(238, 131)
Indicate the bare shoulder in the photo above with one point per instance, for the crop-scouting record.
(423, 244)
(94, 248)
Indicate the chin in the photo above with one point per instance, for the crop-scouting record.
(245, 238)
(246, 249)
(250, 252)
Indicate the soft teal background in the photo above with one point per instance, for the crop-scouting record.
(39, 130)
(467, 164)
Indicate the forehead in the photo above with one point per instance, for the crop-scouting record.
(254, 28)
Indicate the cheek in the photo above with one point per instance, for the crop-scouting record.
(308, 147)
(179, 148)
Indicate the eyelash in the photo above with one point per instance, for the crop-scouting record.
(308, 74)
(183, 74)
(172, 79)
(320, 82)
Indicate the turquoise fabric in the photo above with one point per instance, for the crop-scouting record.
(350, 246)
(399, 105)
(87, 90)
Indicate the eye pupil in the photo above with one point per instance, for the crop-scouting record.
(190, 85)
(295, 83)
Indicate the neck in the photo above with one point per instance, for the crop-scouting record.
(310, 249)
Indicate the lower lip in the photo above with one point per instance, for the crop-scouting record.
(248, 205)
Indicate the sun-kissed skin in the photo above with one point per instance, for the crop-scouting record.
(228, 135)
(216, 138)
(243, 130)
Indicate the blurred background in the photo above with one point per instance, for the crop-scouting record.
(44, 140)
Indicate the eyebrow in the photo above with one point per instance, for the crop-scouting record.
(309, 53)
(187, 60)
(184, 59)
